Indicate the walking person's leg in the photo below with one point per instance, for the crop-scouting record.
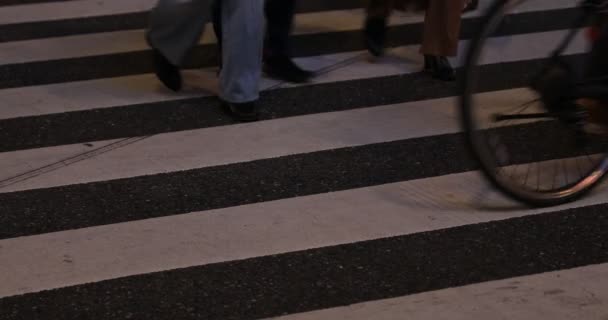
(175, 28)
(279, 18)
(441, 36)
(242, 44)
(277, 52)
(376, 21)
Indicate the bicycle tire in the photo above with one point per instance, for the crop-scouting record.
(538, 199)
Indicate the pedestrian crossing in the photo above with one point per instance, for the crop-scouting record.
(114, 61)
(516, 294)
(353, 198)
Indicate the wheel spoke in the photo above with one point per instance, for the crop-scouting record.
(504, 127)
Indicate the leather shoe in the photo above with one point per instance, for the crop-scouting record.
(283, 68)
(375, 35)
(166, 72)
(439, 67)
(244, 112)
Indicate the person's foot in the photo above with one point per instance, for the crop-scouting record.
(439, 67)
(167, 72)
(375, 35)
(282, 67)
(244, 112)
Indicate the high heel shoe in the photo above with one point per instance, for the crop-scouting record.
(375, 35)
(439, 67)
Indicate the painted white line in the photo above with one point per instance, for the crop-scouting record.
(578, 293)
(71, 9)
(94, 8)
(134, 40)
(122, 91)
(253, 141)
(55, 260)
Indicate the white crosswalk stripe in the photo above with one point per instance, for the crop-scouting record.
(308, 214)
(199, 238)
(581, 293)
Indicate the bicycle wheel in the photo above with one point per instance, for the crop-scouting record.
(530, 148)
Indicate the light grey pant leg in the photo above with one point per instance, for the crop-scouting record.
(242, 45)
(176, 26)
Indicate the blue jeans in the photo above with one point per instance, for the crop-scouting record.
(176, 27)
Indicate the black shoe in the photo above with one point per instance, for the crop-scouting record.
(283, 68)
(439, 67)
(375, 35)
(244, 112)
(471, 6)
(166, 72)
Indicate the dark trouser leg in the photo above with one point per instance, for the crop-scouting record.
(379, 8)
(216, 18)
(277, 52)
(376, 25)
(279, 19)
